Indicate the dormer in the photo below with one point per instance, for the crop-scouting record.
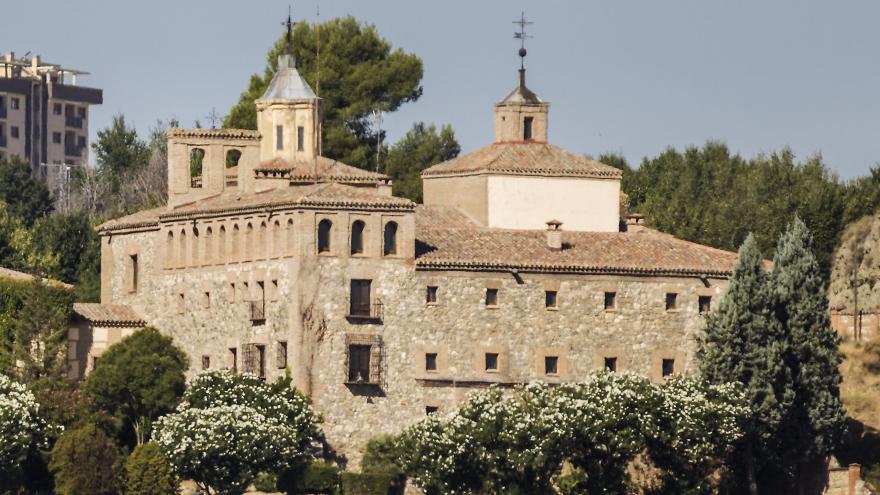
(521, 116)
(288, 116)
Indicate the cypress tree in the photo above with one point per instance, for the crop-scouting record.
(745, 343)
(815, 425)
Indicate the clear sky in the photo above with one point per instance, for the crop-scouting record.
(630, 76)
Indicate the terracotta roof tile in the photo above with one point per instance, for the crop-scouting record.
(109, 314)
(524, 158)
(328, 169)
(16, 275)
(214, 133)
(447, 239)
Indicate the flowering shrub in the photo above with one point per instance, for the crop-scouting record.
(230, 427)
(22, 429)
(519, 442)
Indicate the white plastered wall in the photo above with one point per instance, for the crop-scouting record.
(582, 204)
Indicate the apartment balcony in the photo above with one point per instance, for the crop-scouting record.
(373, 313)
(73, 121)
(76, 151)
(2, 112)
(258, 311)
(2, 141)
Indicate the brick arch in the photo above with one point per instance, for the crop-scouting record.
(208, 254)
(248, 254)
(170, 261)
(277, 240)
(357, 236)
(389, 238)
(195, 246)
(235, 244)
(181, 249)
(290, 237)
(262, 244)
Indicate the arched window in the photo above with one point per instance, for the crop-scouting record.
(262, 242)
(169, 250)
(277, 240)
(290, 237)
(357, 237)
(221, 245)
(235, 248)
(208, 256)
(248, 242)
(181, 257)
(194, 247)
(232, 158)
(389, 239)
(324, 227)
(196, 157)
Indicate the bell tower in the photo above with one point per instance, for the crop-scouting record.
(521, 116)
(289, 113)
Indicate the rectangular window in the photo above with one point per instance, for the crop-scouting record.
(668, 367)
(56, 109)
(14, 103)
(206, 362)
(431, 361)
(610, 301)
(56, 137)
(550, 299)
(359, 363)
(81, 141)
(281, 356)
(13, 132)
(492, 297)
(233, 359)
(551, 365)
(491, 361)
(431, 294)
(300, 137)
(705, 304)
(279, 137)
(81, 112)
(133, 267)
(206, 301)
(611, 364)
(671, 301)
(261, 361)
(360, 298)
(429, 410)
(527, 128)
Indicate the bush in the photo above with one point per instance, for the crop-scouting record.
(84, 460)
(310, 477)
(381, 456)
(368, 483)
(266, 482)
(147, 472)
(22, 431)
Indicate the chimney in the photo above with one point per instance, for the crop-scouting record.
(635, 222)
(554, 235)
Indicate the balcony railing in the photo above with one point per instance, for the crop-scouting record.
(258, 311)
(3, 112)
(371, 314)
(73, 121)
(73, 150)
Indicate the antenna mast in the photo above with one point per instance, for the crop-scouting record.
(318, 52)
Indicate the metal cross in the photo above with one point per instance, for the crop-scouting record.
(289, 23)
(522, 36)
(214, 118)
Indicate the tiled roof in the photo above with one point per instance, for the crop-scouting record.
(16, 275)
(321, 169)
(449, 240)
(524, 158)
(141, 219)
(109, 314)
(214, 133)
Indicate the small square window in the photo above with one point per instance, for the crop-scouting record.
(431, 295)
(431, 361)
(610, 301)
(668, 367)
(14, 103)
(611, 364)
(206, 362)
(491, 361)
(550, 299)
(705, 304)
(491, 297)
(429, 410)
(551, 365)
(671, 301)
(56, 137)
(56, 109)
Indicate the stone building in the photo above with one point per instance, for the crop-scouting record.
(44, 118)
(517, 268)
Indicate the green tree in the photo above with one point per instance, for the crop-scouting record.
(862, 196)
(744, 343)
(23, 432)
(26, 197)
(815, 424)
(85, 460)
(421, 147)
(147, 472)
(139, 379)
(119, 152)
(39, 331)
(359, 72)
(73, 239)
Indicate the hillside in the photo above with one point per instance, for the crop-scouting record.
(860, 392)
(859, 247)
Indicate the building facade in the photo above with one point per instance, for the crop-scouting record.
(518, 267)
(44, 118)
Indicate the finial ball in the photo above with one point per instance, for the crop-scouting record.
(522, 52)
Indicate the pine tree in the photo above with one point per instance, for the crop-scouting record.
(815, 425)
(744, 343)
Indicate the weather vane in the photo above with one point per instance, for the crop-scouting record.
(289, 23)
(522, 36)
